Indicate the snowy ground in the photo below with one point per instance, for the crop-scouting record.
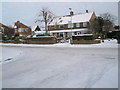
(106, 44)
(60, 66)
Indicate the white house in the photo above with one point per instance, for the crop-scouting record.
(73, 24)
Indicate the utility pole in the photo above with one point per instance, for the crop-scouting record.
(71, 13)
(101, 27)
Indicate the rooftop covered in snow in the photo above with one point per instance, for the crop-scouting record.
(76, 18)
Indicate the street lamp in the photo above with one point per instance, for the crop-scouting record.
(71, 13)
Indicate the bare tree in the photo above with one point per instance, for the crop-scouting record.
(101, 25)
(96, 26)
(45, 16)
(109, 21)
(108, 16)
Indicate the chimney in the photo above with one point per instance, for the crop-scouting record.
(18, 22)
(71, 13)
(86, 11)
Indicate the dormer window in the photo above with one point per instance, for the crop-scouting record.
(59, 18)
(61, 21)
(50, 21)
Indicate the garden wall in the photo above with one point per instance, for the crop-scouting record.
(85, 41)
(41, 40)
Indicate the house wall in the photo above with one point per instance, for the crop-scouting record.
(57, 27)
(24, 33)
(90, 22)
(92, 18)
(25, 30)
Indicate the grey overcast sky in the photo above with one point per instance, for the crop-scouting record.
(27, 12)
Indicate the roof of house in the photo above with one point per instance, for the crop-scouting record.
(35, 27)
(84, 17)
(20, 25)
(2, 25)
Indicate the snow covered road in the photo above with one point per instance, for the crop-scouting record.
(59, 67)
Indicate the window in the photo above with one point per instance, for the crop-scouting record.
(59, 18)
(57, 34)
(78, 33)
(75, 33)
(27, 30)
(61, 34)
(50, 21)
(77, 24)
(84, 24)
(23, 30)
(61, 26)
(70, 25)
(1, 29)
(20, 30)
(61, 21)
(52, 27)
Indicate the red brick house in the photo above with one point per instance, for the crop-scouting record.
(73, 24)
(22, 29)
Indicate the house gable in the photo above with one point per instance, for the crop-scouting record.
(22, 29)
(20, 25)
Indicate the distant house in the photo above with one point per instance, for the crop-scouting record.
(6, 31)
(73, 24)
(22, 29)
(35, 29)
(37, 32)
